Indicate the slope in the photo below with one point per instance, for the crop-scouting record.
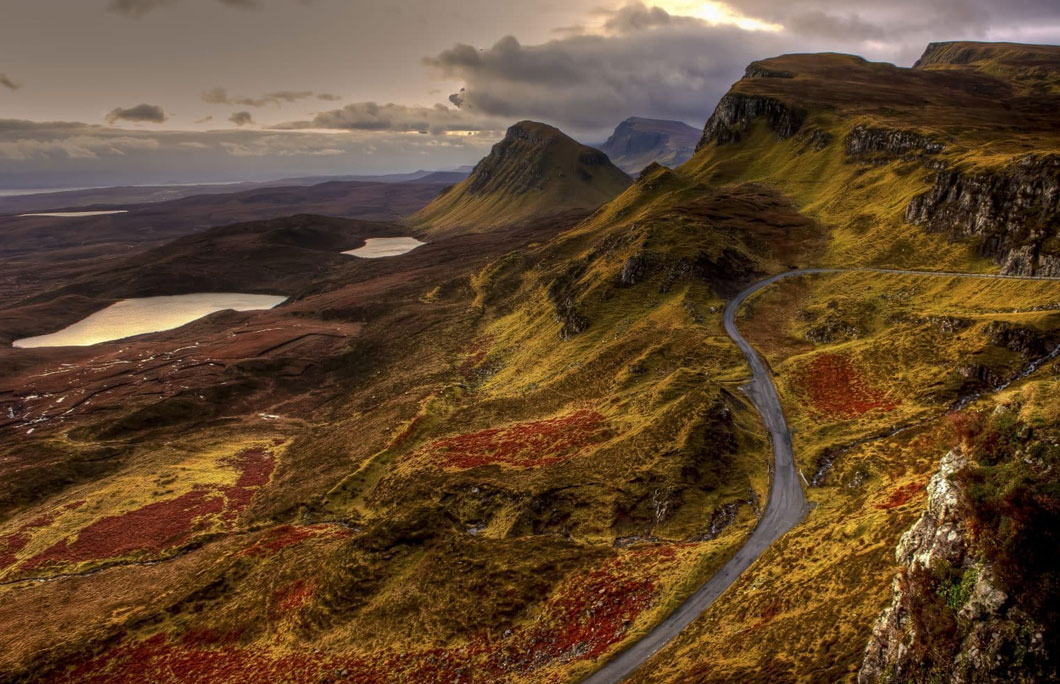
(535, 171)
(943, 165)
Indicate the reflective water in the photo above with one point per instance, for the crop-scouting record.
(374, 248)
(130, 317)
(77, 214)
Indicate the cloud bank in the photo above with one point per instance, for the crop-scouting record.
(372, 116)
(50, 154)
(675, 60)
(138, 8)
(220, 96)
(241, 118)
(142, 113)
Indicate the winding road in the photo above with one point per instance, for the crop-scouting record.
(787, 503)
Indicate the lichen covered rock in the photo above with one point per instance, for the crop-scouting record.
(949, 620)
(1013, 213)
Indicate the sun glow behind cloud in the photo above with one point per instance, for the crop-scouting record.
(715, 13)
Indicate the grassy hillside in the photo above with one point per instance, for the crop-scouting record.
(535, 171)
(507, 454)
(869, 370)
(853, 143)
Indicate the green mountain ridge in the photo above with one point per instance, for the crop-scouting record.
(535, 171)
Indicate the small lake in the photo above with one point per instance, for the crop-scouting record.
(375, 248)
(130, 317)
(77, 214)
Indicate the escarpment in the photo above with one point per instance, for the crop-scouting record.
(736, 112)
(889, 143)
(1012, 213)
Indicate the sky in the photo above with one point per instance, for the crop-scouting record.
(98, 92)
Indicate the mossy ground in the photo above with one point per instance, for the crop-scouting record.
(804, 611)
(487, 499)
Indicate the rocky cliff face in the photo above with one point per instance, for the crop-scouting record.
(949, 620)
(736, 112)
(888, 143)
(1012, 213)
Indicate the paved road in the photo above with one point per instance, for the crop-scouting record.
(787, 504)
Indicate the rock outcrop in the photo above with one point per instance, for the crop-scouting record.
(760, 70)
(889, 143)
(736, 112)
(949, 620)
(1013, 213)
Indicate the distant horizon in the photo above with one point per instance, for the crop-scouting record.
(7, 190)
(14, 191)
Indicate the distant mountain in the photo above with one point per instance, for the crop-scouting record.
(450, 177)
(15, 203)
(638, 142)
(535, 171)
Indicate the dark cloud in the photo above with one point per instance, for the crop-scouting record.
(648, 62)
(241, 118)
(138, 8)
(206, 119)
(641, 58)
(637, 17)
(8, 83)
(142, 113)
(372, 116)
(289, 95)
(220, 96)
(329, 97)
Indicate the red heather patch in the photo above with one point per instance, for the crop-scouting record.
(283, 536)
(837, 387)
(901, 496)
(588, 616)
(159, 660)
(524, 445)
(255, 466)
(291, 598)
(595, 610)
(154, 527)
(475, 355)
(163, 524)
(11, 544)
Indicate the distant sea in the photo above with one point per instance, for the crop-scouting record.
(37, 191)
(13, 192)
